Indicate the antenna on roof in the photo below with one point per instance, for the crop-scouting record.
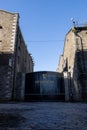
(75, 23)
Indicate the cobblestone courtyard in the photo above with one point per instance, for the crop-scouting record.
(43, 116)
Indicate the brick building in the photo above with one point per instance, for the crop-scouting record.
(73, 64)
(14, 56)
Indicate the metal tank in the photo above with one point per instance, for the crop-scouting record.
(44, 85)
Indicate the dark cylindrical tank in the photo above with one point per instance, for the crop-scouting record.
(44, 85)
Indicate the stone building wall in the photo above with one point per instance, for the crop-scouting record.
(74, 63)
(60, 66)
(7, 42)
(14, 56)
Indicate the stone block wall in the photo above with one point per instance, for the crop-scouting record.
(5, 83)
(14, 56)
(20, 87)
(74, 62)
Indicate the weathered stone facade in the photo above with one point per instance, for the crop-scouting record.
(73, 64)
(14, 56)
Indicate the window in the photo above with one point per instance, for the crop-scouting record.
(10, 62)
(0, 27)
(0, 33)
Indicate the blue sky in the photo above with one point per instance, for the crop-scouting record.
(44, 24)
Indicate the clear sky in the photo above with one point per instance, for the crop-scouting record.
(44, 24)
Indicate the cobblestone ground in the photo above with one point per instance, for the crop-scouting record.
(43, 116)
